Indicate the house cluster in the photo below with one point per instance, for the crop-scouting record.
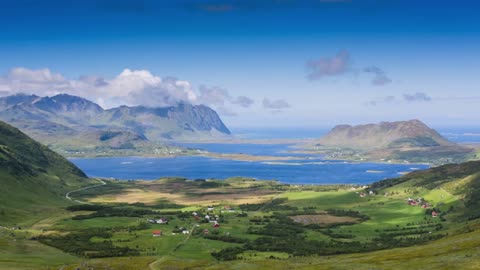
(210, 217)
(422, 203)
(365, 194)
(158, 221)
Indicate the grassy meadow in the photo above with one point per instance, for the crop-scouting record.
(262, 225)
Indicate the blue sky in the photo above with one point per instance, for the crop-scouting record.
(259, 63)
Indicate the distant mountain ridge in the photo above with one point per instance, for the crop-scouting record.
(412, 133)
(64, 118)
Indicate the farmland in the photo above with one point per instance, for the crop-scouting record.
(260, 224)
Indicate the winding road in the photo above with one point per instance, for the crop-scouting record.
(67, 195)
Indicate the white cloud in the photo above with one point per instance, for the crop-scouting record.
(130, 87)
(34, 81)
(213, 95)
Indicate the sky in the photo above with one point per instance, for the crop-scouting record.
(258, 63)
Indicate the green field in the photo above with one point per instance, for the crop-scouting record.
(345, 227)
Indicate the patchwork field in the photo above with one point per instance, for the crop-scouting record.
(241, 223)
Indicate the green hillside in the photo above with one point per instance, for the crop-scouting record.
(390, 224)
(462, 181)
(33, 179)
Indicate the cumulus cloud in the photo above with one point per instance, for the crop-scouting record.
(329, 66)
(379, 75)
(130, 87)
(213, 95)
(35, 81)
(278, 104)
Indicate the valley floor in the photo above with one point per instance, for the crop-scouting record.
(261, 225)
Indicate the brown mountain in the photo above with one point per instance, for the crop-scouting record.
(411, 133)
(411, 141)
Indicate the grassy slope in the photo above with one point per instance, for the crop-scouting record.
(34, 177)
(445, 187)
(456, 252)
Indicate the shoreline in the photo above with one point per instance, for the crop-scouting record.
(251, 158)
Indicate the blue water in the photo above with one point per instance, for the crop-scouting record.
(461, 135)
(310, 170)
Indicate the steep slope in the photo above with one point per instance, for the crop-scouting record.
(33, 178)
(182, 121)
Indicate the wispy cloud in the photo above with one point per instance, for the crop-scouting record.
(276, 105)
(403, 99)
(329, 66)
(380, 77)
(243, 101)
(340, 64)
(417, 97)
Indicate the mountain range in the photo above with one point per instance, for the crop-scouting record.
(68, 121)
(400, 141)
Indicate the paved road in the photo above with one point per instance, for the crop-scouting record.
(80, 189)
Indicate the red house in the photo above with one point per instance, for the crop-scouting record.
(434, 214)
(156, 233)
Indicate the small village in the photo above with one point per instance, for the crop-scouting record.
(211, 216)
